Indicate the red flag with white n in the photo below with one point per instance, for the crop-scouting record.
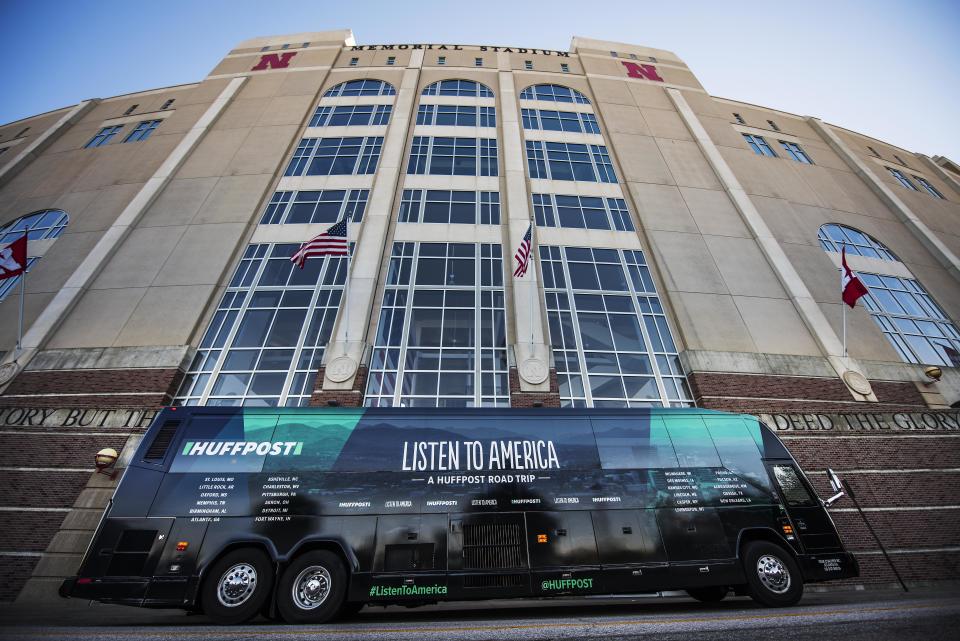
(13, 258)
(850, 285)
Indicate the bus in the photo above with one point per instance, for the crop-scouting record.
(303, 514)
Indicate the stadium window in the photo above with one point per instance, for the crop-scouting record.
(759, 145)
(564, 67)
(130, 110)
(581, 212)
(478, 62)
(773, 125)
(305, 45)
(528, 65)
(364, 87)
(391, 61)
(569, 161)
(873, 151)
(267, 337)
(22, 132)
(550, 120)
(335, 156)
(614, 54)
(267, 48)
(167, 103)
(286, 46)
(651, 59)
(449, 207)
(446, 156)
(441, 335)
(930, 188)
(794, 151)
(739, 119)
(903, 180)
(313, 207)
(900, 160)
(354, 62)
(553, 93)
(47, 223)
(142, 131)
(917, 327)
(611, 342)
(456, 116)
(633, 56)
(346, 115)
(103, 136)
(458, 88)
(441, 60)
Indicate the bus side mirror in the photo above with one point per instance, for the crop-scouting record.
(837, 485)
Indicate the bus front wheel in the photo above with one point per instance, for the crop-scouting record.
(312, 588)
(773, 577)
(237, 586)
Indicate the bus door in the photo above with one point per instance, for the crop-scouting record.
(809, 518)
(487, 554)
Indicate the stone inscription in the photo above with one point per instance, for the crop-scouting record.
(865, 422)
(438, 47)
(75, 417)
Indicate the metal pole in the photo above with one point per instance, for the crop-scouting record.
(532, 284)
(346, 285)
(23, 287)
(843, 306)
(853, 497)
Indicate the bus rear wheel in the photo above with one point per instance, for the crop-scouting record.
(773, 577)
(312, 588)
(712, 594)
(237, 586)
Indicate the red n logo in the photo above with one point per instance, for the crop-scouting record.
(274, 61)
(647, 72)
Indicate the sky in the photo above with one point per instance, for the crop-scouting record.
(883, 68)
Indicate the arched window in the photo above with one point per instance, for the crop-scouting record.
(553, 93)
(365, 87)
(912, 321)
(458, 88)
(47, 223)
(833, 237)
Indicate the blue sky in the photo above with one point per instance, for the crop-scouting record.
(887, 69)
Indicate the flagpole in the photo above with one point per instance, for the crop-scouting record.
(346, 285)
(23, 287)
(532, 283)
(843, 304)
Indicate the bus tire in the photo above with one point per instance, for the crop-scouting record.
(237, 586)
(773, 577)
(312, 589)
(711, 594)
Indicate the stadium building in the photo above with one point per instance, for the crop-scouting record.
(685, 250)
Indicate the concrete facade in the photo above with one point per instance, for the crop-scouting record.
(117, 306)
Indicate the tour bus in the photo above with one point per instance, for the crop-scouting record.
(307, 513)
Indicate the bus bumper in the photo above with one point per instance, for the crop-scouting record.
(828, 567)
(145, 592)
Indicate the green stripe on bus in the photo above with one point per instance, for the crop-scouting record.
(186, 447)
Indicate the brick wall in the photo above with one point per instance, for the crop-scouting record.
(352, 397)
(758, 393)
(147, 387)
(534, 399)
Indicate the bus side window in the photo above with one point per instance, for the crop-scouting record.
(793, 489)
(633, 444)
(691, 441)
(738, 449)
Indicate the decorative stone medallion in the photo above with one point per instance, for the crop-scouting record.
(533, 371)
(341, 369)
(7, 372)
(857, 382)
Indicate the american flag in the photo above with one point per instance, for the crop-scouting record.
(332, 242)
(523, 254)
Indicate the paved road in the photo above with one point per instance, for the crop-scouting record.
(849, 616)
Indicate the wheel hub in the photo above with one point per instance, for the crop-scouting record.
(237, 585)
(311, 587)
(773, 574)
